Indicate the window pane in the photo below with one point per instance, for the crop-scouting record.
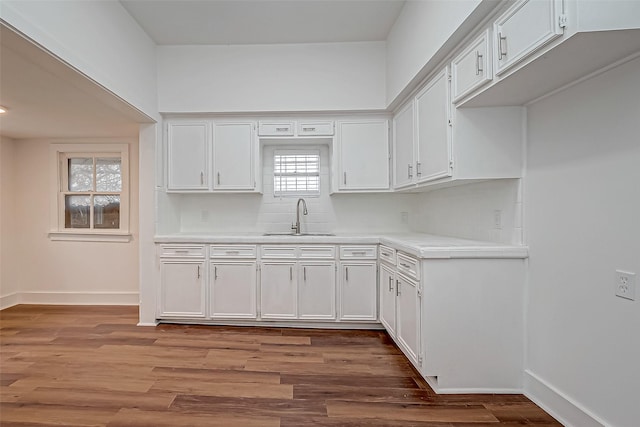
(296, 174)
(106, 211)
(81, 174)
(108, 175)
(77, 211)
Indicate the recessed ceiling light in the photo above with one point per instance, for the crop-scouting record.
(3, 109)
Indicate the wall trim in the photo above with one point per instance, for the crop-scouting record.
(558, 404)
(78, 298)
(9, 300)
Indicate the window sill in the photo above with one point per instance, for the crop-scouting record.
(75, 236)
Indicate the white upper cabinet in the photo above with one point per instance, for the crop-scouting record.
(188, 148)
(433, 133)
(280, 128)
(403, 142)
(234, 156)
(362, 155)
(472, 67)
(315, 128)
(523, 29)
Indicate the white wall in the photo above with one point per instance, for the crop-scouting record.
(98, 38)
(8, 286)
(419, 32)
(340, 213)
(293, 77)
(469, 211)
(582, 211)
(48, 271)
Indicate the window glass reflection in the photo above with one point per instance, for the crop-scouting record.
(77, 211)
(108, 175)
(80, 174)
(106, 211)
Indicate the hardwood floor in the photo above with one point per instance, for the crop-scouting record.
(92, 366)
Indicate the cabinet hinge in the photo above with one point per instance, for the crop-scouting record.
(449, 77)
(420, 360)
(419, 291)
(450, 164)
(450, 122)
(562, 21)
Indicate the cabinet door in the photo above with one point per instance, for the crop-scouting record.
(363, 155)
(403, 141)
(182, 291)
(233, 289)
(472, 68)
(408, 315)
(433, 130)
(316, 290)
(233, 156)
(278, 293)
(524, 28)
(358, 291)
(188, 155)
(388, 299)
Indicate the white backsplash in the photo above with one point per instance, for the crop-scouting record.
(339, 213)
(469, 211)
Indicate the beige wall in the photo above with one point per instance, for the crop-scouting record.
(45, 271)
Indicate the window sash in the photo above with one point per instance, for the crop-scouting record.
(296, 173)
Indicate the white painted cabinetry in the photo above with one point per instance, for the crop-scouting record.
(408, 317)
(387, 287)
(433, 131)
(524, 28)
(188, 151)
(234, 156)
(403, 146)
(316, 290)
(232, 282)
(361, 155)
(358, 283)
(182, 282)
(472, 67)
(278, 289)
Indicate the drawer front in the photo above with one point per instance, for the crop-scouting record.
(233, 251)
(408, 265)
(315, 128)
(182, 251)
(276, 252)
(324, 252)
(387, 254)
(275, 128)
(358, 252)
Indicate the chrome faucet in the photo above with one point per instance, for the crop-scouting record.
(296, 226)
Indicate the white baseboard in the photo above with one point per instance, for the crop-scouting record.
(70, 298)
(9, 300)
(560, 406)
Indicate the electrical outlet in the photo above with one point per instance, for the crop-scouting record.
(625, 285)
(497, 219)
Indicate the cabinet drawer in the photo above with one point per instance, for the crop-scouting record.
(358, 252)
(279, 252)
(182, 251)
(315, 128)
(275, 128)
(232, 251)
(387, 254)
(324, 252)
(408, 265)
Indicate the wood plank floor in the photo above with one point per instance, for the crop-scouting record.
(92, 366)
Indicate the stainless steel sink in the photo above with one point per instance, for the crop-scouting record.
(298, 235)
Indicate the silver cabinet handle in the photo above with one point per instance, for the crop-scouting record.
(479, 68)
(290, 273)
(182, 251)
(359, 253)
(409, 171)
(308, 129)
(502, 47)
(418, 172)
(390, 284)
(215, 273)
(282, 129)
(304, 273)
(346, 273)
(233, 252)
(198, 271)
(345, 178)
(218, 178)
(397, 288)
(405, 265)
(201, 177)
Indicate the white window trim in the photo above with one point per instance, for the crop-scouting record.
(58, 232)
(299, 152)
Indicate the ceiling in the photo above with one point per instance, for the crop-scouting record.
(48, 99)
(175, 22)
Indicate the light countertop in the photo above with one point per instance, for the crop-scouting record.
(417, 244)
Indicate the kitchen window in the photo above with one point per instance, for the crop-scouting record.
(92, 194)
(296, 173)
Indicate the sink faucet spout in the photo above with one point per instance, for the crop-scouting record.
(296, 226)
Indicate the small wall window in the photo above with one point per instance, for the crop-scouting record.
(92, 191)
(296, 173)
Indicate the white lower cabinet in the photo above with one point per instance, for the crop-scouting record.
(278, 290)
(232, 289)
(408, 309)
(182, 288)
(388, 298)
(358, 290)
(316, 290)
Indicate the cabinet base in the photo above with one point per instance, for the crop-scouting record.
(277, 323)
